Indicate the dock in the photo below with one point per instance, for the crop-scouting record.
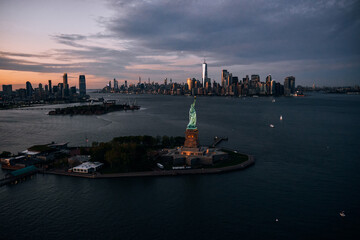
(217, 140)
(18, 175)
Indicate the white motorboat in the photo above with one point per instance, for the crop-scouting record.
(342, 213)
(272, 126)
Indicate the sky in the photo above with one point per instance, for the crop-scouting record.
(315, 41)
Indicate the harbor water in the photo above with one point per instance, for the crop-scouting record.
(306, 172)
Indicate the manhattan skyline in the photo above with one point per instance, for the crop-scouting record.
(317, 42)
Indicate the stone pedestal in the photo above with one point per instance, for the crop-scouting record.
(191, 138)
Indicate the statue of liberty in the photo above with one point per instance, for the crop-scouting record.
(192, 116)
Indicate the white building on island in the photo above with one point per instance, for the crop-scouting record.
(87, 167)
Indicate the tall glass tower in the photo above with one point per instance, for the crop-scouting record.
(204, 73)
(29, 89)
(82, 85)
(65, 91)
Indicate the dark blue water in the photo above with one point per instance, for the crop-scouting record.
(307, 171)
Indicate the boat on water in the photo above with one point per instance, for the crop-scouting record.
(159, 165)
(299, 94)
(273, 100)
(272, 126)
(342, 214)
(281, 118)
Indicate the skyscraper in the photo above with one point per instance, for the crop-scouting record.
(204, 73)
(234, 80)
(268, 84)
(29, 89)
(73, 90)
(189, 83)
(65, 92)
(268, 78)
(224, 78)
(272, 87)
(50, 87)
(255, 79)
(82, 85)
(116, 84)
(7, 90)
(292, 84)
(61, 89)
(41, 90)
(65, 79)
(229, 79)
(289, 85)
(246, 80)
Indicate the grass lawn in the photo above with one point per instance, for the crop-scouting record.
(234, 159)
(108, 169)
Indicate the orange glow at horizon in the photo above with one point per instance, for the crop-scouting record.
(19, 78)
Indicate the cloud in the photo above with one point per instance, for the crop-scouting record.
(7, 63)
(236, 32)
(169, 38)
(2, 53)
(69, 37)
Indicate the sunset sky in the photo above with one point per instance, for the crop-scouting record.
(316, 41)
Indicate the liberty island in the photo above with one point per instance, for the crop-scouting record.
(192, 154)
(146, 157)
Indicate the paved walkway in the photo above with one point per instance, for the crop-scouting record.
(159, 173)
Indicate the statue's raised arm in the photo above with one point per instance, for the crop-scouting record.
(192, 116)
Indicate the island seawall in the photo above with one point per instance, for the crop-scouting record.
(178, 172)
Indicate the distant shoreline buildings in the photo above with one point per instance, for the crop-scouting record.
(48, 93)
(229, 86)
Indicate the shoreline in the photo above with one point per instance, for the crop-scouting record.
(241, 166)
(90, 111)
(34, 105)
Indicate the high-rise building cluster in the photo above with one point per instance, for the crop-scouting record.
(229, 85)
(49, 92)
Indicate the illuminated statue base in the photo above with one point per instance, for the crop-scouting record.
(192, 154)
(191, 138)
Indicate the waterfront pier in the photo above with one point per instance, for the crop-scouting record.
(18, 175)
(217, 140)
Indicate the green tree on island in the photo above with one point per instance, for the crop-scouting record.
(131, 153)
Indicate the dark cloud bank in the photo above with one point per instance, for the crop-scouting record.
(318, 39)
